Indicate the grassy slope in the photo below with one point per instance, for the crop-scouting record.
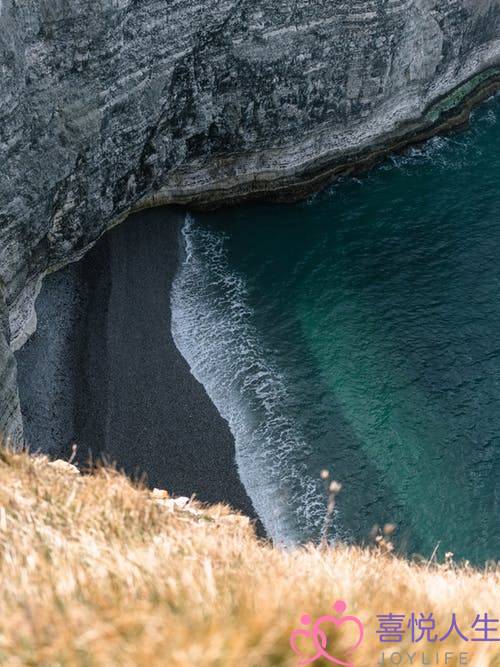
(95, 571)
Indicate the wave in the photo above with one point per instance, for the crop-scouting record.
(213, 327)
(450, 151)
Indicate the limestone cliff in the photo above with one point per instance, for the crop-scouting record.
(109, 105)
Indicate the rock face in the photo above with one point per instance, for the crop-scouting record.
(110, 105)
(10, 417)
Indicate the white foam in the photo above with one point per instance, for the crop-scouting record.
(454, 150)
(213, 327)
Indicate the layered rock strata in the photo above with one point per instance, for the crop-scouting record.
(113, 105)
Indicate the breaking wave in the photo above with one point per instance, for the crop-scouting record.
(212, 324)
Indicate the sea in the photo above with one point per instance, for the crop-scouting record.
(358, 332)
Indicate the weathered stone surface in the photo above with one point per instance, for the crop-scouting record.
(64, 467)
(10, 414)
(109, 105)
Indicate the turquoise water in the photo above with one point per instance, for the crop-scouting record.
(360, 332)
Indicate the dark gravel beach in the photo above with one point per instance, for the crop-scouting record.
(112, 360)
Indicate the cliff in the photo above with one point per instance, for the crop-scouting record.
(109, 106)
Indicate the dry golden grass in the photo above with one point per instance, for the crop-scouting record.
(96, 571)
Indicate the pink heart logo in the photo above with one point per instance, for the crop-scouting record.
(319, 637)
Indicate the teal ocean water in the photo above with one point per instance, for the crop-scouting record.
(360, 332)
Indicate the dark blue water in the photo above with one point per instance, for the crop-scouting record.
(360, 332)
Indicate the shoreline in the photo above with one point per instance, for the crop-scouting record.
(133, 391)
(211, 481)
(452, 112)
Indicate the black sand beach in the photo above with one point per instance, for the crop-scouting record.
(103, 370)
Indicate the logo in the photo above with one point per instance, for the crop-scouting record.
(317, 635)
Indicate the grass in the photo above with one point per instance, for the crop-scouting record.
(96, 571)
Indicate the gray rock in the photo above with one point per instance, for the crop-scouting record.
(10, 414)
(111, 105)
